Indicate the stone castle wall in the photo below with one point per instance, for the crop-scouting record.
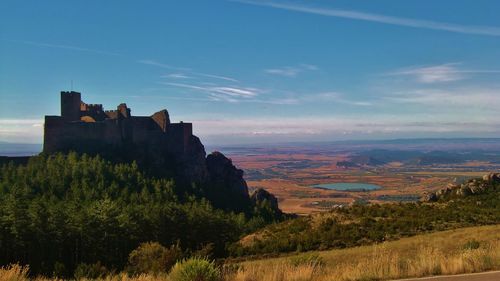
(88, 128)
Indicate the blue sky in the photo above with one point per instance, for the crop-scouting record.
(259, 71)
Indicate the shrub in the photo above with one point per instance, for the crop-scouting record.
(195, 269)
(307, 259)
(231, 268)
(207, 251)
(90, 271)
(471, 245)
(152, 257)
(59, 269)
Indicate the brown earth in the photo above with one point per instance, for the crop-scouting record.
(289, 177)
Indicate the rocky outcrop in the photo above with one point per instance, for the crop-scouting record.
(429, 197)
(470, 187)
(213, 177)
(226, 188)
(262, 197)
(222, 172)
(492, 178)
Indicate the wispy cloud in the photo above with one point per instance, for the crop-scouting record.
(162, 65)
(216, 76)
(188, 70)
(309, 66)
(237, 94)
(176, 76)
(290, 71)
(277, 101)
(439, 73)
(357, 15)
(284, 71)
(457, 99)
(67, 47)
(220, 93)
(334, 97)
(356, 103)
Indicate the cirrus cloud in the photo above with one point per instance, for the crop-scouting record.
(291, 71)
(439, 73)
(378, 18)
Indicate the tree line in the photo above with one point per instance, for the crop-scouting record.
(60, 211)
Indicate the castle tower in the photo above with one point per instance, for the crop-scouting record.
(123, 110)
(70, 105)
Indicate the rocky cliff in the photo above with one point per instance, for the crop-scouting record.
(470, 187)
(227, 188)
(212, 176)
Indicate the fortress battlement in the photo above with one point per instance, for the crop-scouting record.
(88, 128)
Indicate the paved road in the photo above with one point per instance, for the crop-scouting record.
(484, 276)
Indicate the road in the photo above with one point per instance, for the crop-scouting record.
(483, 276)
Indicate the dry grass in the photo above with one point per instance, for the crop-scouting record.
(424, 255)
(14, 272)
(431, 254)
(382, 264)
(278, 272)
(20, 273)
(429, 261)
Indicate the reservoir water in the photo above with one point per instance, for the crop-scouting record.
(348, 186)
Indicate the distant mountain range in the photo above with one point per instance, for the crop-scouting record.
(379, 148)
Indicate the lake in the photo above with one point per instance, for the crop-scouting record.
(348, 186)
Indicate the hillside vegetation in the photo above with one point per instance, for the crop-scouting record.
(64, 211)
(367, 224)
(75, 216)
(457, 251)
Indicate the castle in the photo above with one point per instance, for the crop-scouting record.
(88, 128)
(158, 147)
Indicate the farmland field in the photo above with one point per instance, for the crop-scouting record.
(405, 170)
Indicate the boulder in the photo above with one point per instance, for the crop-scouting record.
(444, 191)
(464, 191)
(430, 197)
(492, 178)
(260, 196)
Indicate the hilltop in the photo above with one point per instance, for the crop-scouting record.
(159, 147)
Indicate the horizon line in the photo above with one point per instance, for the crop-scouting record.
(326, 141)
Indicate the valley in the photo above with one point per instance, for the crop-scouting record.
(404, 169)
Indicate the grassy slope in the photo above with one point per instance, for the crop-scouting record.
(430, 254)
(368, 224)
